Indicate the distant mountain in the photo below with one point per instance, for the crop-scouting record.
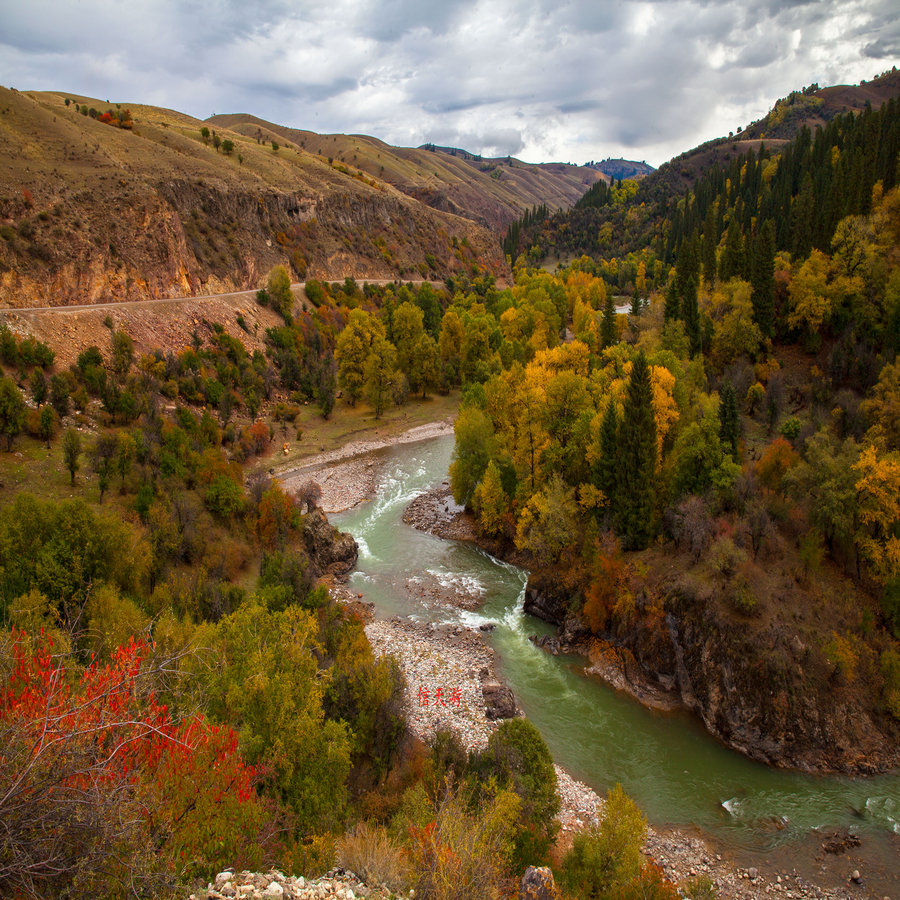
(621, 169)
(491, 191)
(103, 202)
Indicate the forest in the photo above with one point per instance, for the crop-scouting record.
(178, 691)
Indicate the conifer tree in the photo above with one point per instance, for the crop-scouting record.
(672, 309)
(636, 456)
(607, 474)
(690, 312)
(709, 245)
(608, 325)
(762, 277)
(729, 423)
(732, 262)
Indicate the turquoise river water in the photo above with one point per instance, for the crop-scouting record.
(675, 770)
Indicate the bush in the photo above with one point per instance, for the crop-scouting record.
(609, 854)
(725, 557)
(372, 855)
(463, 855)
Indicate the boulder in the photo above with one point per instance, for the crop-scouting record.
(499, 701)
(538, 884)
(331, 552)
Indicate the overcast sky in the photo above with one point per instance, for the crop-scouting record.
(542, 80)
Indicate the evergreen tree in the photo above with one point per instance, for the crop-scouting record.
(732, 262)
(635, 492)
(608, 325)
(672, 308)
(762, 277)
(636, 304)
(691, 314)
(606, 470)
(709, 245)
(729, 423)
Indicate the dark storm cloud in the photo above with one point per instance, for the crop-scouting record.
(570, 79)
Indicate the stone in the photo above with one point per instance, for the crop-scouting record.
(856, 876)
(752, 873)
(538, 884)
(222, 877)
(499, 701)
(273, 890)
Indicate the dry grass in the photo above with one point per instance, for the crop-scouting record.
(374, 857)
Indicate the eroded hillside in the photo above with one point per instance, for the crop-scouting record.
(94, 212)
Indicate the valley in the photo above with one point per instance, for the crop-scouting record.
(654, 493)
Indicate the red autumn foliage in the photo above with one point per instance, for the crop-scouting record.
(98, 781)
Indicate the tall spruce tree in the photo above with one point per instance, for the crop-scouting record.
(636, 456)
(606, 472)
(672, 309)
(608, 325)
(729, 423)
(762, 278)
(690, 312)
(732, 263)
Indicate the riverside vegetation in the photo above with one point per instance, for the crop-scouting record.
(713, 476)
(179, 694)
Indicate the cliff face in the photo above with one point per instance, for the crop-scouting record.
(92, 213)
(759, 688)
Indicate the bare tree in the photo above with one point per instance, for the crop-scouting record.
(308, 494)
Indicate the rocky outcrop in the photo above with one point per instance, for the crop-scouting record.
(537, 884)
(546, 599)
(331, 552)
(499, 700)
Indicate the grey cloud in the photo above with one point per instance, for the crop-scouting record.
(576, 79)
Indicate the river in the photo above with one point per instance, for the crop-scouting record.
(676, 771)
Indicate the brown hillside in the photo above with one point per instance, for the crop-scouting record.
(90, 212)
(493, 192)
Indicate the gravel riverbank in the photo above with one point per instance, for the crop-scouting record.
(438, 661)
(349, 475)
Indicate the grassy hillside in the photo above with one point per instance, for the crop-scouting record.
(91, 212)
(493, 192)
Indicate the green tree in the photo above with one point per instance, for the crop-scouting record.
(266, 685)
(636, 454)
(47, 422)
(204, 134)
(12, 411)
(672, 309)
(38, 384)
(381, 374)
(731, 264)
(278, 288)
(426, 365)
(490, 501)
(729, 420)
(608, 324)
(474, 448)
(103, 455)
(607, 855)
(352, 350)
(228, 146)
(407, 329)
(122, 352)
(762, 277)
(548, 526)
(71, 445)
(606, 467)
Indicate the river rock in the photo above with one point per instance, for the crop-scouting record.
(499, 701)
(538, 884)
(546, 600)
(332, 552)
